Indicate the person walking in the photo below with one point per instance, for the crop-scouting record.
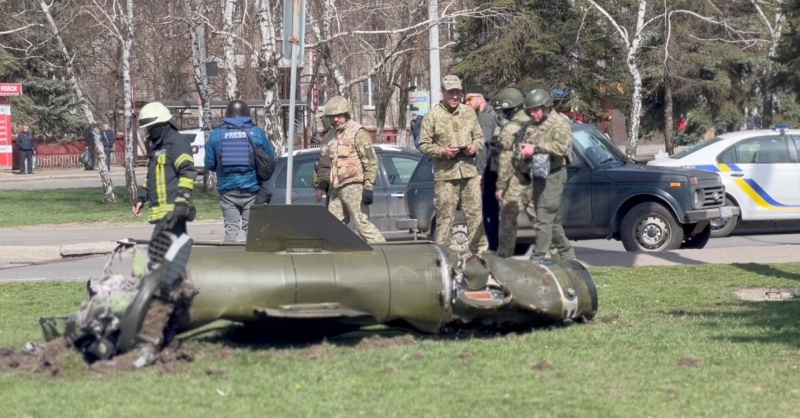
(487, 163)
(170, 173)
(353, 169)
(514, 188)
(452, 137)
(27, 149)
(109, 138)
(549, 133)
(231, 155)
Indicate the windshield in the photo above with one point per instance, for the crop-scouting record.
(597, 148)
(695, 147)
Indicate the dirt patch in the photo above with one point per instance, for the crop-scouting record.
(417, 356)
(765, 294)
(610, 319)
(378, 342)
(688, 362)
(542, 365)
(46, 361)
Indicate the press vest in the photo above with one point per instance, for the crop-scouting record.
(346, 165)
(236, 153)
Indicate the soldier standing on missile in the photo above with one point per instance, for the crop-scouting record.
(354, 166)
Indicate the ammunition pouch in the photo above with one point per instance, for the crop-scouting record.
(540, 165)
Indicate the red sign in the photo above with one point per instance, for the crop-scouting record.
(10, 89)
(5, 136)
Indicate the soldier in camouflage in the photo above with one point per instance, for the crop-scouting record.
(548, 133)
(514, 189)
(322, 169)
(353, 167)
(452, 137)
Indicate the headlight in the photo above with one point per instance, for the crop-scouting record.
(697, 201)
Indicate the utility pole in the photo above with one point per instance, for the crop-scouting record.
(433, 45)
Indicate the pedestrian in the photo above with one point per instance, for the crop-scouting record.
(486, 162)
(89, 139)
(452, 137)
(414, 127)
(109, 138)
(231, 155)
(322, 168)
(353, 169)
(27, 149)
(754, 120)
(170, 173)
(549, 134)
(514, 187)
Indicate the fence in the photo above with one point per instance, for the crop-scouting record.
(66, 155)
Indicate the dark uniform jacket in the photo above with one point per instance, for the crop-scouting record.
(170, 170)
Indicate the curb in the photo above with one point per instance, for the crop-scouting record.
(54, 252)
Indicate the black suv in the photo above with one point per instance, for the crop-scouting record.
(607, 196)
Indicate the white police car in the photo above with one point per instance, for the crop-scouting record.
(760, 171)
(198, 148)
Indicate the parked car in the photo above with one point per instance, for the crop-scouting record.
(607, 196)
(760, 171)
(198, 149)
(395, 166)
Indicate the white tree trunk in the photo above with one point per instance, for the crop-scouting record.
(105, 178)
(231, 80)
(130, 132)
(197, 10)
(268, 58)
(636, 94)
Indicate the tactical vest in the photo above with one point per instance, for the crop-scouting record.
(346, 165)
(236, 153)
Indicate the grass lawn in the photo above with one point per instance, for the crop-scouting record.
(667, 342)
(84, 205)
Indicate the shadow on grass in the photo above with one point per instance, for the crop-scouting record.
(773, 322)
(606, 258)
(767, 271)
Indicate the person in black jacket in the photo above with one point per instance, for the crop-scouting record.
(88, 138)
(27, 148)
(170, 173)
(108, 137)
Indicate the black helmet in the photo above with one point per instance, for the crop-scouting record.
(237, 108)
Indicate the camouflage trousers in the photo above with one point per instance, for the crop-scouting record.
(549, 232)
(518, 197)
(446, 196)
(345, 202)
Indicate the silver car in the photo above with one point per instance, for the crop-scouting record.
(395, 167)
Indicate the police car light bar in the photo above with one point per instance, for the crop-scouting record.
(781, 127)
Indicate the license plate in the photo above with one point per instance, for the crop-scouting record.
(726, 212)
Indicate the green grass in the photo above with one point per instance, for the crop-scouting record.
(667, 341)
(84, 205)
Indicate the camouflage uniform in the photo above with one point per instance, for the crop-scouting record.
(350, 175)
(553, 136)
(322, 168)
(515, 182)
(455, 179)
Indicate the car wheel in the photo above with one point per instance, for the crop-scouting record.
(697, 241)
(650, 227)
(723, 227)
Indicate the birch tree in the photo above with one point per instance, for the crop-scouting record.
(229, 52)
(197, 12)
(55, 31)
(774, 27)
(118, 18)
(269, 56)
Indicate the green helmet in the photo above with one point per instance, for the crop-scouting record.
(538, 97)
(337, 105)
(326, 123)
(508, 98)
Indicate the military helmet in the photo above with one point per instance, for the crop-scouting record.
(507, 98)
(153, 113)
(337, 105)
(237, 108)
(326, 123)
(538, 97)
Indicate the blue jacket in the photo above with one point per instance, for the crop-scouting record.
(232, 181)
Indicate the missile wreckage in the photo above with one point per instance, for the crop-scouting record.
(301, 267)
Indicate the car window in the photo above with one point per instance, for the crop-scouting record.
(728, 157)
(768, 150)
(596, 146)
(424, 171)
(694, 148)
(303, 172)
(398, 169)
